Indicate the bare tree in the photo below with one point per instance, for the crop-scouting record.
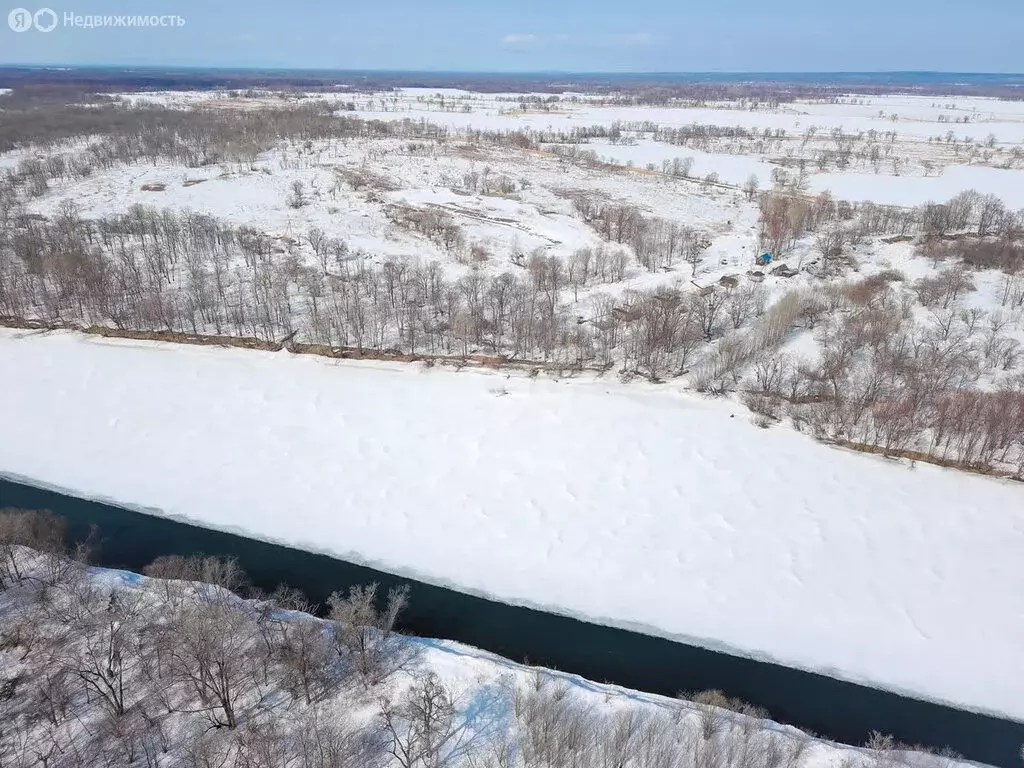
(208, 749)
(708, 308)
(297, 198)
(366, 634)
(308, 661)
(21, 530)
(107, 654)
(770, 370)
(693, 251)
(421, 726)
(326, 742)
(743, 303)
(211, 648)
(266, 744)
(829, 245)
(320, 244)
(751, 185)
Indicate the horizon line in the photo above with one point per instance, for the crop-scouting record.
(547, 72)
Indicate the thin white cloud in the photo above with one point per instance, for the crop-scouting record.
(518, 39)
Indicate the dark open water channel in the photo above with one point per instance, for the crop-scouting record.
(839, 710)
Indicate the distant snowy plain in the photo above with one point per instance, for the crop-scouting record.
(628, 505)
(921, 123)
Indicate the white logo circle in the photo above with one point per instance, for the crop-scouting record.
(45, 20)
(20, 20)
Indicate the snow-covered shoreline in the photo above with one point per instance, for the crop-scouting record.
(489, 697)
(647, 510)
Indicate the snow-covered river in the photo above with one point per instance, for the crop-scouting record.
(835, 709)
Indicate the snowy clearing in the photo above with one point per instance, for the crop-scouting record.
(629, 506)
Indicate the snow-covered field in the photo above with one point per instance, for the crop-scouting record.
(914, 190)
(913, 116)
(902, 150)
(990, 133)
(651, 510)
(537, 215)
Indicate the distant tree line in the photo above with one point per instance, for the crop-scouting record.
(645, 89)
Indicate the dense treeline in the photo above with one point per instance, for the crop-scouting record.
(656, 243)
(125, 133)
(187, 272)
(648, 88)
(643, 89)
(102, 669)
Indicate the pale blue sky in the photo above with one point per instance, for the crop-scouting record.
(542, 35)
